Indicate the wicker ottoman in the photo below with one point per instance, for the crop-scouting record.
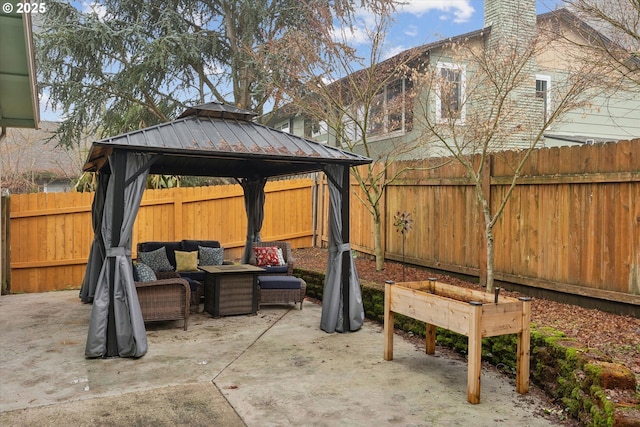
(281, 290)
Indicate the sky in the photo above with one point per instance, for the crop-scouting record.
(424, 21)
(417, 22)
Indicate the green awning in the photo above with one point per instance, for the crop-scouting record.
(19, 105)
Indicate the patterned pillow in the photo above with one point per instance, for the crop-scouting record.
(266, 256)
(157, 259)
(145, 273)
(210, 256)
(281, 258)
(186, 261)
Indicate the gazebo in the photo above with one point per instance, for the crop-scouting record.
(212, 139)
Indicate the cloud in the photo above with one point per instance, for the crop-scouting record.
(49, 112)
(214, 69)
(411, 31)
(355, 37)
(462, 10)
(457, 11)
(94, 7)
(395, 50)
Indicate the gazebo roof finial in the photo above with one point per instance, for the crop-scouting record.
(218, 110)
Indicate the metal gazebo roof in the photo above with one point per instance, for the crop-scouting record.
(220, 140)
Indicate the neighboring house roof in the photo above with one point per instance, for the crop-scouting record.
(219, 140)
(29, 151)
(18, 91)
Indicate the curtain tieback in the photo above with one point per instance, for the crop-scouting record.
(118, 251)
(344, 247)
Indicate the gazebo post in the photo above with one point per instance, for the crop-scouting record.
(119, 157)
(346, 256)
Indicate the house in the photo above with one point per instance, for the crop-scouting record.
(399, 105)
(32, 163)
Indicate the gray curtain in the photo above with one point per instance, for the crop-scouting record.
(254, 206)
(116, 327)
(340, 257)
(97, 252)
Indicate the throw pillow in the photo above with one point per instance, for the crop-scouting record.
(266, 256)
(186, 261)
(157, 259)
(135, 271)
(281, 258)
(210, 256)
(145, 273)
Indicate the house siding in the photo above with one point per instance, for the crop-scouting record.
(611, 118)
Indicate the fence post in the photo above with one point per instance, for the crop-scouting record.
(5, 246)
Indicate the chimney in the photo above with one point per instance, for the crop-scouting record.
(510, 20)
(513, 30)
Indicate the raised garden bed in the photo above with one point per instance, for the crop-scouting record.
(467, 312)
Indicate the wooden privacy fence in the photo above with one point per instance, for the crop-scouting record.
(51, 233)
(572, 224)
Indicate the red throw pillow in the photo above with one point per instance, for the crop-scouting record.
(266, 256)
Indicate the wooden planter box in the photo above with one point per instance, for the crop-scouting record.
(474, 314)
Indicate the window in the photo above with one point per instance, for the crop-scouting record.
(350, 127)
(390, 110)
(542, 92)
(450, 93)
(284, 127)
(319, 128)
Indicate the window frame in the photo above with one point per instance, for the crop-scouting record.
(281, 126)
(547, 97)
(383, 129)
(462, 69)
(322, 126)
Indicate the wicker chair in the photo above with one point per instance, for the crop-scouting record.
(167, 298)
(286, 253)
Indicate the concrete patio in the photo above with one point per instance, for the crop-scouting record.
(276, 368)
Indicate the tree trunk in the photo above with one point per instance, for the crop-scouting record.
(489, 237)
(377, 239)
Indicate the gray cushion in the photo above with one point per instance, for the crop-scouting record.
(157, 260)
(273, 269)
(145, 273)
(210, 256)
(279, 282)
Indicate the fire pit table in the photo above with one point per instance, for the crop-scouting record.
(231, 289)
(475, 314)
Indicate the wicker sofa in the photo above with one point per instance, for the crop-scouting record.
(183, 245)
(167, 298)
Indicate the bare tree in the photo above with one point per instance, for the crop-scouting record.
(610, 32)
(479, 97)
(364, 104)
